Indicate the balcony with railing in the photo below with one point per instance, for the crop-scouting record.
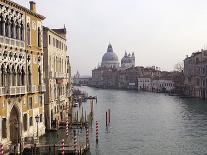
(12, 42)
(14, 90)
(42, 88)
(32, 89)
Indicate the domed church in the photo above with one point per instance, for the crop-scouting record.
(110, 59)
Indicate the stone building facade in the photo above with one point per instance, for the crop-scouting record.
(57, 77)
(21, 74)
(195, 73)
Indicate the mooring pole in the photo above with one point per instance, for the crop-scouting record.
(85, 118)
(109, 111)
(82, 116)
(77, 115)
(96, 132)
(54, 149)
(75, 141)
(106, 119)
(1, 149)
(63, 149)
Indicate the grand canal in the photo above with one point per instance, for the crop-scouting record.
(148, 124)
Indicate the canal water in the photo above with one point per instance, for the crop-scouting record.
(145, 123)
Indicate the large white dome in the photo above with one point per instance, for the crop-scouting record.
(110, 59)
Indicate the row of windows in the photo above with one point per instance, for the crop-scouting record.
(144, 81)
(17, 32)
(164, 84)
(56, 43)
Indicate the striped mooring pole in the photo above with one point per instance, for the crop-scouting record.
(87, 137)
(63, 149)
(96, 132)
(1, 149)
(66, 128)
(75, 142)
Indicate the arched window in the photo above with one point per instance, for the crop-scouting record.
(22, 33)
(8, 76)
(28, 34)
(13, 76)
(39, 75)
(2, 73)
(18, 76)
(12, 29)
(7, 29)
(23, 76)
(1, 26)
(17, 31)
(29, 76)
(39, 37)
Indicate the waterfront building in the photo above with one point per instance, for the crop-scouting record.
(162, 85)
(157, 81)
(132, 75)
(57, 76)
(128, 61)
(21, 74)
(195, 72)
(81, 80)
(103, 77)
(145, 83)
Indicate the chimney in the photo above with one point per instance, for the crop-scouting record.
(32, 6)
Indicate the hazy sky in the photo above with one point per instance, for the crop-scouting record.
(159, 32)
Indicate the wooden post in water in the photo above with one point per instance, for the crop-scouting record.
(85, 118)
(109, 111)
(82, 116)
(106, 119)
(54, 149)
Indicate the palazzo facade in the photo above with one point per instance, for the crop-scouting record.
(21, 74)
(57, 77)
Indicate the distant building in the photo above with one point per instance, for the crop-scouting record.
(111, 75)
(103, 77)
(144, 83)
(162, 85)
(57, 77)
(195, 72)
(156, 84)
(81, 80)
